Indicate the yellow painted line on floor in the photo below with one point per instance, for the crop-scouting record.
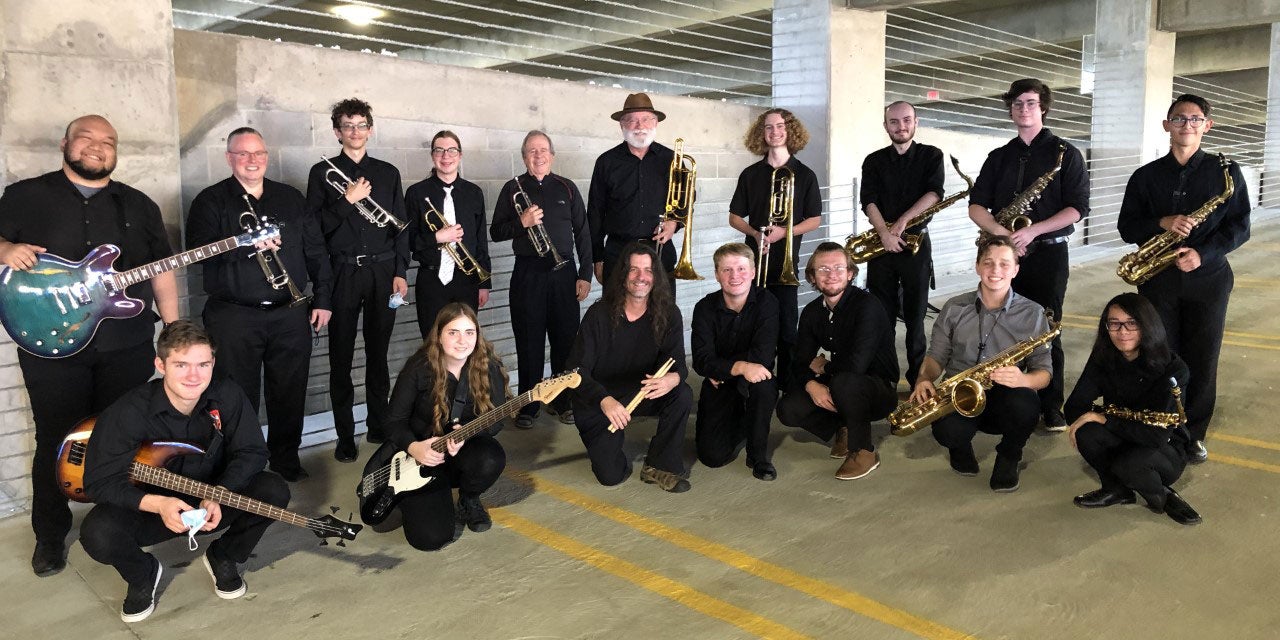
(698, 601)
(1244, 462)
(1261, 444)
(819, 589)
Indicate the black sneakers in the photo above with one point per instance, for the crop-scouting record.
(140, 600)
(471, 513)
(227, 583)
(1004, 475)
(963, 461)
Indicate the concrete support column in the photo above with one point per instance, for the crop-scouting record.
(1133, 84)
(1269, 191)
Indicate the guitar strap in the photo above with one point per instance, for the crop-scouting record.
(461, 395)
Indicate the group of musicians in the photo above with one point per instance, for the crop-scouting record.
(830, 368)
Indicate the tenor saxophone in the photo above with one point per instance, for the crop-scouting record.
(1155, 255)
(966, 392)
(867, 245)
(1014, 215)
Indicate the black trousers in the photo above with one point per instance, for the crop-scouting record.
(267, 351)
(431, 296)
(115, 535)
(609, 462)
(1010, 413)
(902, 276)
(736, 411)
(360, 292)
(1122, 464)
(788, 319)
(860, 399)
(429, 513)
(1043, 279)
(544, 308)
(63, 392)
(1194, 311)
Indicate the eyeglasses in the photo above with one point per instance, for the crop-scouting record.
(1181, 121)
(838, 269)
(1127, 325)
(358, 126)
(1026, 104)
(245, 155)
(451, 152)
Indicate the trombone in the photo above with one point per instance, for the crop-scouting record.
(466, 262)
(538, 235)
(680, 195)
(782, 192)
(269, 259)
(372, 211)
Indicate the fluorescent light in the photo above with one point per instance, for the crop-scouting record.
(357, 14)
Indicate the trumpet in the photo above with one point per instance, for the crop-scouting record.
(269, 259)
(372, 211)
(538, 235)
(782, 196)
(466, 262)
(681, 180)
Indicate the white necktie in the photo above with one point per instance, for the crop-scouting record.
(451, 218)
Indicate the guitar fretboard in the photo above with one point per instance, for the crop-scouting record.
(500, 412)
(148, 271)
(169, 480)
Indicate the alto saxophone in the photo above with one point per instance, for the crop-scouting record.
(867, 245)
(1156, 254)
(966, 392)
(1014, 215)
(1158, 419)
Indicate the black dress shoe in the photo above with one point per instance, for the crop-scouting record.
(48, 559)
(764, 471)
(1196, 453)
(1105, 498)
(346, 451)
(1178, 509)
(963, 461)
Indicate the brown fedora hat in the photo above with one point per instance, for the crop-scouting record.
(638, 102)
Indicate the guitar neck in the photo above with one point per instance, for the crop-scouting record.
(166, 479)
(148, 271)
(482, 423)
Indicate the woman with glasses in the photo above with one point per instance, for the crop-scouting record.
(1131, 368)
(458, 216)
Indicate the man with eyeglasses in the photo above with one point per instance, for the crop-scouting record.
(369, 264)
(845, 372)
(544, 298)
(628, 194)
(1191, 295)
(461, 205)
(263, 335)
(68, 213)
(1042, 247)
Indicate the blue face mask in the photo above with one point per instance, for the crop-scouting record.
(194, 519)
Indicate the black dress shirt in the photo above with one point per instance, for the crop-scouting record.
(722, 336)
(411, 411)
(856, 333)
(48, 211)
(346, 232)
(751, 202)
(628, 195)
(894, 181)
(236, 276)
(615, 358)
(232, 442)
(1008, 170)
(1131, 385)
(564, 214)
(468, 207)
(1164, 188)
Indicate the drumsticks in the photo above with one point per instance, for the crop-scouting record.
(635, 402)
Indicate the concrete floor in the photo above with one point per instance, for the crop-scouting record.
(910, 551)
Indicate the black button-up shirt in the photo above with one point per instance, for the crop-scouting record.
(722, 336)
(1131, 385)
(346, 232)
(411, 411)
(468, 208)
(614, 359)
(751, 202)
(1008, 170)
(1164, 188)
(895, 181)
(856, 333)
(234, 450)
(628, 195)
(564, 215)
(48, 211)
(236, 276)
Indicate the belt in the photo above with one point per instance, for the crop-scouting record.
(365, 259)
(264, 305)
(1053, 240)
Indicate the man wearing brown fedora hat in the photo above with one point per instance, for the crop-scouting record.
(628, 192)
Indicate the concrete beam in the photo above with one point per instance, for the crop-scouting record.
(1195, 15)
(1247, 48)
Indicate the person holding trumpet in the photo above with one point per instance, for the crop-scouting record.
(359, 202)
(454, 208)
(779, 195)
(263, 326)
(545, 218)
(626, 336)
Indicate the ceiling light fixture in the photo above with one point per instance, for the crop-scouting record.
(357, 14)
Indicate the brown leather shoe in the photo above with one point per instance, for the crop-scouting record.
(858, 464)
(840, 445)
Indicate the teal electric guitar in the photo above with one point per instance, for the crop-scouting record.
(53, 309)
